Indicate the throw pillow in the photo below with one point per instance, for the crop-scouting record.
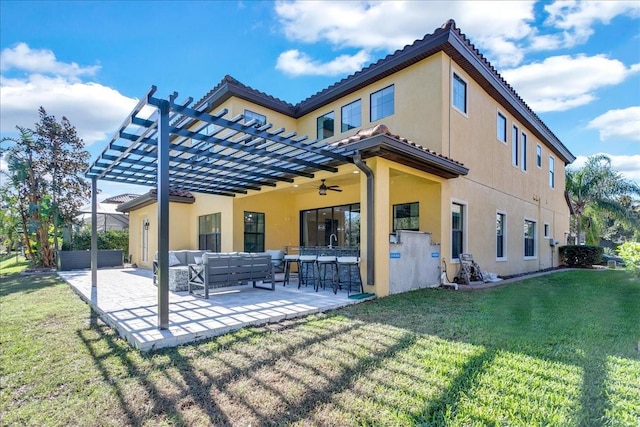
(198, 260)
(173, 259)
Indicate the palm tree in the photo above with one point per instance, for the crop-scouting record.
(595, 190)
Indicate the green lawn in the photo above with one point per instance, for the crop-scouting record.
(558, 350)
(12, 264)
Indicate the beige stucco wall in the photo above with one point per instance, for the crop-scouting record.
(422, 114)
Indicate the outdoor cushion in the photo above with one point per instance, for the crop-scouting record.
(173, 260)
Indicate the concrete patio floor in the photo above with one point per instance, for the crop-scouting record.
(126, 299)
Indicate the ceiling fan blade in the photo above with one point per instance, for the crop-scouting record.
(334, 188)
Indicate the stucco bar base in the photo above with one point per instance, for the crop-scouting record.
(127, 300)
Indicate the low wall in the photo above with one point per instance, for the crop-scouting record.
(77, 260)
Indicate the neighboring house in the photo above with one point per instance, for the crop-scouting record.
(108, 216)
(452, 149)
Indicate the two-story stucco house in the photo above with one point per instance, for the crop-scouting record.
(434, 140)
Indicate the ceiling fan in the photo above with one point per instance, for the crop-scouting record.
(322, 190)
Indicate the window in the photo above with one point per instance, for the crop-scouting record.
(459, 94)
(552, 180)
(382, 103)
(317, 226)
(501, 222)
(524, 151)
(351, 116)
(209, 230)
(259, 118)
(547, 230)
(457, 230)
(538, 156)
(325, 126)
(253, 232)
(406, 216)
(529, 238)
(515, 155)
(502, 128)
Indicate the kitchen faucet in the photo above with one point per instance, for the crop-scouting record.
(330, 237)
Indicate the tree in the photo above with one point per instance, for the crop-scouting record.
(45, 187)
(596, 192)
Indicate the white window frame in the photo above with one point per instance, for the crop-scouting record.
(539, 156)
(523, 151)
(465, 227)
(515, 147)
(552, 172)
(505, 251)
(546, 229)
(457, 74)
(506, 127)
(535, 239)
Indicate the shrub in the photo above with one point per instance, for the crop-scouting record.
(630, 253)
(581, 256)
(109, 239)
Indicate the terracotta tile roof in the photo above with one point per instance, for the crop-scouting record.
(174, 193)
(382, 129)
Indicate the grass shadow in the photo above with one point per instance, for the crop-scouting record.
(17, 283)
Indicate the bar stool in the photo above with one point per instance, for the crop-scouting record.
(346, 277)
(327, 263)
(306, 262)
(288, 260)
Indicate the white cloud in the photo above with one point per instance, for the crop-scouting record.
(577, 18)
(562, 82)
(41, 61)
(296, 63)
(618, 124)
(94, 109)
(496, 27)
(627, 165)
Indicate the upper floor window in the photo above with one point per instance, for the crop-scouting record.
(382, 103)
(538, 156)
(259, 118)
(325, 126)
(523, 150)
(459, 93)
(552, 178)
(515, 153)
(351, 116)
(406, 216)
(502, 128)
(547, 230)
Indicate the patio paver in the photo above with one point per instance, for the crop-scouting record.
(126, 299)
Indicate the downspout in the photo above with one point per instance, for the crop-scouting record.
(357, 160)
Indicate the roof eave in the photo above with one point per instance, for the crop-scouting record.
(149, 199)
(392, 149)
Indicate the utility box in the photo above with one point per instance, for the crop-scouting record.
(414, 262)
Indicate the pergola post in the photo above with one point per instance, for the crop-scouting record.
(94, 232)
(163, 214)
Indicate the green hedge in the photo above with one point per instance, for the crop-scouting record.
(581, 256)
(110, 239)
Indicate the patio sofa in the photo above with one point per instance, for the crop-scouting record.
(220, 270)
(178, 268)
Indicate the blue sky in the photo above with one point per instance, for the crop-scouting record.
(577, 64)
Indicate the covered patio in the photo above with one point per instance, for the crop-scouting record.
(126, 300)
